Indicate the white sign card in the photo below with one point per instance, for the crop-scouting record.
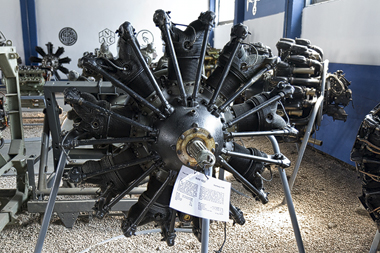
(201, 196)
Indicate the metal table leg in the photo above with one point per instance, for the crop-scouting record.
(288, 198)
(318, 107)
(206, 223)
(51, 202)
(375, 242)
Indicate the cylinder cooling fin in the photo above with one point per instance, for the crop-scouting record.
(366, 155)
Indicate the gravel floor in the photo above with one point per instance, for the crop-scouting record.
(329, 213)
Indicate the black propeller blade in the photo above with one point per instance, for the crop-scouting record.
(59, 52)
(52, 61)
(35, 59)
(40, 51)
(64, 60)
(49, 48)
(63, 69)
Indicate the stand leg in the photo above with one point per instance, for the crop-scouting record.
(288, 198)
(292, 212)
(317, 110)
(44, 155)
(206, 223)
(51, 202)
(305, 141)
(375, 242)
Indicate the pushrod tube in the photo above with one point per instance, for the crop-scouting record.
(130, 187)
(255, 109)
(224, 73)
(242, 89)
(121, 166)
(132, 41)
(203, 53)
(132, 228)
(244, 181)
(91, 63)
(284, 162)
(76, 143)
(287, 131)
(162, 20)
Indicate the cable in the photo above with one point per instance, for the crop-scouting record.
(263, 178)
(372, 176)
(113, 64)
(257, 54)
(283, 109)
(143, 232)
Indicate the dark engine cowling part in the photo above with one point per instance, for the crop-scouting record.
(92, 123)
(366, 155)
(338, 96)
(301, 66)
(266, 118)
(187, 45)
(248, 60)
(158, 212)
(249, 169)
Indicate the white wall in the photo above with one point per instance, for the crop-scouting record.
(347, 30)
(267, 30)
(10, 24)
(89, 17)
(222, 35)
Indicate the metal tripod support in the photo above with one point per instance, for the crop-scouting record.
(60, 157)
(287, 193)
(375, 242)
(317, 111)
(205, 222)
(67, 210)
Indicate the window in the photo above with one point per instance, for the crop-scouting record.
(225, 11)
(318, 1)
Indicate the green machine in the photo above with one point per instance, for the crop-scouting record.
(11, 200)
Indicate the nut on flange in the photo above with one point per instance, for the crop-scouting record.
(195, 133)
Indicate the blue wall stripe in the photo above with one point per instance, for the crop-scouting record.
(211, 35)
(293, 18)
(263, 8)
(338, 137)
(29, 28)
(239, 11)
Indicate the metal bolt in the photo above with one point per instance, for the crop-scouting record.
(179, 152)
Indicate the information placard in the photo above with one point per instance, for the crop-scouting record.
(201, 196)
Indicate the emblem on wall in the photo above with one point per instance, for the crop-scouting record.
(68, 36)
(107, 36)
(254, 7)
